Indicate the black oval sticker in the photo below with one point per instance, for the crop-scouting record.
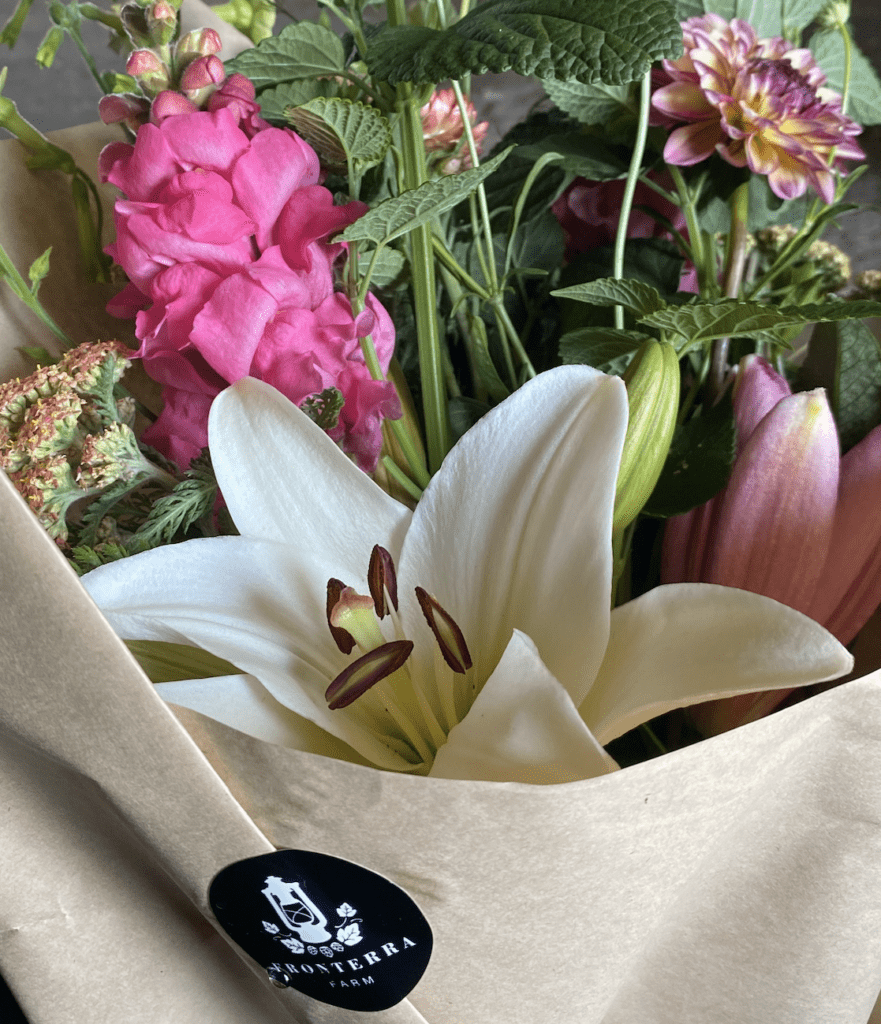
(327, 927)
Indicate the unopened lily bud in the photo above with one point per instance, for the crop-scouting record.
(201, 78)
(652, 381)
(151, 72)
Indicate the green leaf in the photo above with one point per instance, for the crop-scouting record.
(395, 217)
(844, 358)
(638, 298)
(699, 463)
(654, 261)
(341, 131)
(590, 41)
(388, 266)
(582, 155)
(274, 102)
(102, 505)
(464, 413)
(605, 348)
(191, 499)
(483, 363)
(706, 321)
(38, 270)
(301, 50)
(864, 97)
(324, 408)
(590, 104)
(779, 18)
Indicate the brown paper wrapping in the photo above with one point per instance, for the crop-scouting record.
(735, 882)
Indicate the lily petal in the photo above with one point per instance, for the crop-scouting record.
(690, 642)
(522, 727)
(301, 485)
(257, 604)
(513, 532)
(243, 704)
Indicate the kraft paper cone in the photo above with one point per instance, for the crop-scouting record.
(734, 882)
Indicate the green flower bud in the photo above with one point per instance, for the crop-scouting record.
(49, 47)
(652, 381)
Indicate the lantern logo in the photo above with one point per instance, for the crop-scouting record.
(307, 924)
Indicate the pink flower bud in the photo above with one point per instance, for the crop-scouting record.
(203, 72)
(124, 108)
(168, 104)
(200, 42)
(144, 62)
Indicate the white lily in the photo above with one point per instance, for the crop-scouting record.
(511, 539)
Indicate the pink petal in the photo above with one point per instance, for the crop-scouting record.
(776, 521)
(692, 143)
(758, 389)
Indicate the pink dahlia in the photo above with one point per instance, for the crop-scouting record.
(758, 103)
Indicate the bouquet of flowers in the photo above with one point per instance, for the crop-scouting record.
(418, 483)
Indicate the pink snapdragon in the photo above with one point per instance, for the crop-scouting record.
(224, 239)
(759, 103)
(443, 131)
(795, 523)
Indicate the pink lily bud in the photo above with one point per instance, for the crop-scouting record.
(124, 108)
(169, 103)
(201, 78)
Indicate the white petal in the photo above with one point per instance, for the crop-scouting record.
(522, 727)
(689, 642)
(242, 703)
(514, 530)
(283, 479)
(259, 605)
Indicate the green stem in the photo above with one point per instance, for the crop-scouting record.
(731, 281)
(17, 283)
(630, 187)
(695, 237)
(438, 435)
(400, 477)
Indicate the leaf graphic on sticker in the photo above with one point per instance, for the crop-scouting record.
(346, 910)
(273, 929)
(294, 945)
(350, 935)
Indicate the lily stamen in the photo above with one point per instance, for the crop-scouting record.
(365, 672)
(447, 633)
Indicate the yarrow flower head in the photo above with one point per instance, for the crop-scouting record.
(757, 102)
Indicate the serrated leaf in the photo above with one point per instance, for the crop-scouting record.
(590, 41)
(589, 104)
(698, 466)
(190, 500)
(605, 348)
(638, 298)
(101, 506)
(844, 359)
(707, 321)
(301, 50)
(274, 102)
(395, 217)
(340, 130)
(864, 97)
(324, 407)
(581, 154)
(388, 266)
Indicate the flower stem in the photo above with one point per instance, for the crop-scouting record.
(630, 186)
(731, 280)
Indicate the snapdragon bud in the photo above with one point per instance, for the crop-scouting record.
(201, 78)
(161, 22)
(201, 42)
(152, 73)
(652, 381)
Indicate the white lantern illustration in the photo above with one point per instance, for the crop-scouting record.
(296, 910)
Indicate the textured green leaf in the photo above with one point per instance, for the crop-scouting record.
(407, 211)
(698, 466)
(388, 266)
(777, 18)
(340, 130)
(844, 358)
(604, 348)
(638, 298)
(864, 98)
(301, 50)
(586, 40)
(709, 320)
(274, 102)
(483, 362)
(589, 104)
